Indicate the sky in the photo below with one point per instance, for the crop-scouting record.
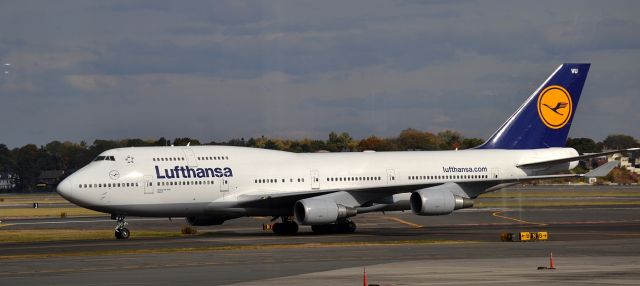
(217, 70)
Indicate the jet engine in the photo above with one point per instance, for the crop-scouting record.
(204, 220)
(320, 211)
(437, 202)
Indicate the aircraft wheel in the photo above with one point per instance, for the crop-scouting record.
(277, 228)
(351, 227)
(285, 228)
(321, 229)
(292, 228)
(122, 233)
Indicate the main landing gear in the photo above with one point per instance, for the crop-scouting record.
(121, 231)
(343, 226)
(287, 226)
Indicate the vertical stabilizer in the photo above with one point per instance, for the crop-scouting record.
(544, 119)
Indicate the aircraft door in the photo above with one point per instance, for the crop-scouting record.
(495, 173)
(315, 179)
(190, 156)
(224, 184)
(147, 185)
(391, 176)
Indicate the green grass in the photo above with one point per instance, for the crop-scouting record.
(231, 247)
(40, 235)
(538, 204)
(46, 212)
(556, 194)
(31, 198)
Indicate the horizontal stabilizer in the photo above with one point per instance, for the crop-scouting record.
(576, 158)
(603, 170)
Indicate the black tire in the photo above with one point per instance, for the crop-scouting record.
(118, 235)
(342, 227)
(285, 228)
(124, 233)
(277, 228)
(351, 227)
(321, 229)
(292, 228)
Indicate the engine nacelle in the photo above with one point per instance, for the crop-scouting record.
(437, 202)
(319, 211)
(204, 220)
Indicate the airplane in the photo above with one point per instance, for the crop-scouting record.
(211, 184)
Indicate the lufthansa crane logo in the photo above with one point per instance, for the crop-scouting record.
(114, 174)
(555, 106)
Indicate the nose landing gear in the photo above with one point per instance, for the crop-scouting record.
(121, 231)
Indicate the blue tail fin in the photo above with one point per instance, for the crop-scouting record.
(545, 117)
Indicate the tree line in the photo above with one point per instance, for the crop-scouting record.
(29, 161)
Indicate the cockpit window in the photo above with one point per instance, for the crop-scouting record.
(104, 158)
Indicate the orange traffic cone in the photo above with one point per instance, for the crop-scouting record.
(364, 281)
(551, 261)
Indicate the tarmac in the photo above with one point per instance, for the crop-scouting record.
(594, 245)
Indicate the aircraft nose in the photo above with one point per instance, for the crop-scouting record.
(65, 188)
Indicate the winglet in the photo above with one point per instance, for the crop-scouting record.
(603, 170)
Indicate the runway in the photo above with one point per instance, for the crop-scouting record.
(591, 245)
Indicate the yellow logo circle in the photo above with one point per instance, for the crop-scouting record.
(555, 106)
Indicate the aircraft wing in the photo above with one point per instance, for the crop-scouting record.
(575, 158)
(288, 199)
(361, 195)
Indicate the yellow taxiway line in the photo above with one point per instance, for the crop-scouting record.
(413, 225)
(498, 214)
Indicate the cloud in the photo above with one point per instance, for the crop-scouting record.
(224, 69)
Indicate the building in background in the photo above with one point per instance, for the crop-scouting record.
(7, 181)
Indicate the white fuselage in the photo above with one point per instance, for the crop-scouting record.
(196, 180)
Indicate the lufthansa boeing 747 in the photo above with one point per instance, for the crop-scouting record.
(211, 184)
